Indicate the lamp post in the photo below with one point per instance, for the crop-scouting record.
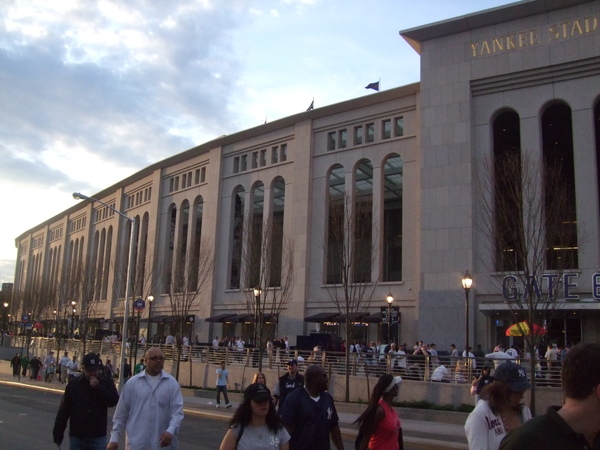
(55, 328)
(389, 299)
(78, 196)
(149, 332)
(73, 303)
(258, 322)
(467, 282)
(4, 322)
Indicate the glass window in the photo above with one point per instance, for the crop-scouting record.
(392, 219)
(331, 140)
(386, 129)
(343, 138)
(559, 188)
(370, 132)
(254, 160)
(336, 225)
(236, 164)
(275, 155)
(399, 122)
(283, 152)
(358, 135)
(203, 175)
(244, 163)
(263, 158)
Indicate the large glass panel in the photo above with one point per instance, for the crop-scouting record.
(508, 201)
(277, 233)
(335, 230)
(559, 188)
(237, 235)
(363, 222)
(392, 218)
(256, 244)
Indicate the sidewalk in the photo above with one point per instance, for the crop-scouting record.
(425, 432)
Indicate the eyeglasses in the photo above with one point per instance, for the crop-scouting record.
(156, 358)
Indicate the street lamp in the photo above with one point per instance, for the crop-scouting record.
(4, 322)
(389, 299)
(149, 332)
(55, 322)
(73, 303)
(78, 196)
(258, 322)
(467, 282)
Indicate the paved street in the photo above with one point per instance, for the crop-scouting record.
(27, 417)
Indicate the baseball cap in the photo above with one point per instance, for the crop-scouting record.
(257, 392)
(292, 362)
(91, 362)
(514, 375)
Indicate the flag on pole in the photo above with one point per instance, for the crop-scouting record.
(312, 105)
(374, 86)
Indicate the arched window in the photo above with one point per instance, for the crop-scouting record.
(106, 271)
(140, 276)
(196, 242)
(559, 188)
(336, 196)
(169, 250)
(99, 237)
(392, 218)
(508, 201)
(181, 266)
(254, 262)
(276, 247)
(363, 222)
(237, 236)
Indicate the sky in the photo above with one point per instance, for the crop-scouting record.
(94, 91)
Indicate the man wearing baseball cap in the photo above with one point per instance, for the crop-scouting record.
(85, 404)
(287, 383)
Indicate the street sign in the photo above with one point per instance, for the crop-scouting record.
(139, 304)
(395, 315)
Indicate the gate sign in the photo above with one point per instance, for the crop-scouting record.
(395, 315)
(25, 318)
(139, 304)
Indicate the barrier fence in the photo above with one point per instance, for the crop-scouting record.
(411, 367)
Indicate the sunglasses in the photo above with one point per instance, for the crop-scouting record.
(156, 358)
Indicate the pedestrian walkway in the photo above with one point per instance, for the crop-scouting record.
(425, 433)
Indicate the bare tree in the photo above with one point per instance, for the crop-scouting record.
(527, 220)
(348, 245)
(268, 273)
(193, 272)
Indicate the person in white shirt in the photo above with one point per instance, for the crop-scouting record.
(441, 374)
(150, 408)
(499, 357)
(64, 367)
(500, 410)
(72, 368)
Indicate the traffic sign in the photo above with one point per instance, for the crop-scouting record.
(139, 304)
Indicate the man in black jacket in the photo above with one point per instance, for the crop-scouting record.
(287, 383)
(86, 402)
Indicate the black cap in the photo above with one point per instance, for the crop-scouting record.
(257, 392)
(91, 362)
(292, 362)
(514, 375)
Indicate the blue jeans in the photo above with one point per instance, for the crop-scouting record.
(95, 443)
(222, 389)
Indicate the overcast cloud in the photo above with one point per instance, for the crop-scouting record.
(93, 91)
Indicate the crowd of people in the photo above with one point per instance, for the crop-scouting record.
(299, 412)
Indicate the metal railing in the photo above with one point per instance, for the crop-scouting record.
(460, 370)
